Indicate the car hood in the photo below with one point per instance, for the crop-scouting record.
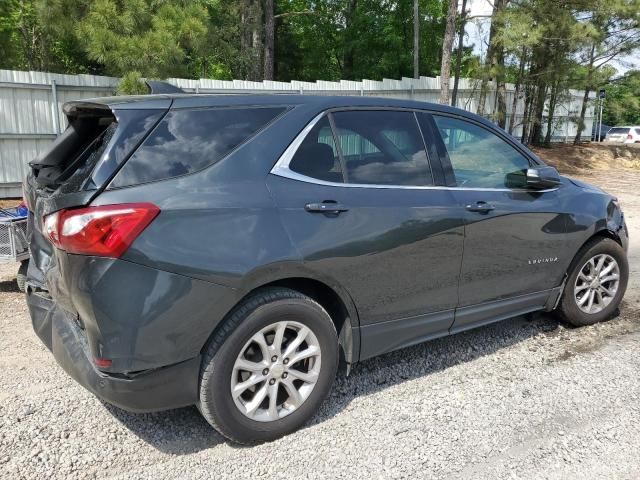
(586, 186)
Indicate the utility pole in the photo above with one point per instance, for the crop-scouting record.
(601, 95)
(416, 39)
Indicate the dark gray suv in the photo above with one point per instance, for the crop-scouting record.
(229, 251)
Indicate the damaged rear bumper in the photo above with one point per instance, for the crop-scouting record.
(158, 389)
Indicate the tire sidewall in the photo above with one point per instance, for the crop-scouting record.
(570, 309)
(223, 408)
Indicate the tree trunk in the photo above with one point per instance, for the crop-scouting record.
(251, 44)
(445, 66)
(269, 35)
(348, 57)
(463, 16)
(516, 91)
(495, 57)
(536, 130)
(552, 109)
(416, 39)
(585, 98)
(526, 117)
(501, 89)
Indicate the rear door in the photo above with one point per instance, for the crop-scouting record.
(359, 202)
(514, 238)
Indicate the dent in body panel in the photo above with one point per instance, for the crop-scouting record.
(590, 211)
(135, 315)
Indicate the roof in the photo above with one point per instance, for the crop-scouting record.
(316, 102)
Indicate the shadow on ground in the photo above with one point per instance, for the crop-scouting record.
(9, 286)
(184, 431)
(178, 432)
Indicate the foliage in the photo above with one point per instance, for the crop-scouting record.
(622, 104)
(330, 39)
(544, 47)
(132, 84)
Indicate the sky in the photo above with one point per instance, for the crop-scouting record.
(478, 33)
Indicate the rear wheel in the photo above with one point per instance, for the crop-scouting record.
(596, 283)
(269, 367)
(21, 276)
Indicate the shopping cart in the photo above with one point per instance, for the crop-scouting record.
(13, 240)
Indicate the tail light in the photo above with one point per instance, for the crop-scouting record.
(103, 231)
(629, 137)
(102, 362)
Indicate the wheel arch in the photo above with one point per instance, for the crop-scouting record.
(334, 299)
(552, 304)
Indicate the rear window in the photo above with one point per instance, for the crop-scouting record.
(618, 130)
(186, 141)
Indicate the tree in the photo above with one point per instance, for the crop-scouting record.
(155, 39)
(447, 43)
(622, 104)
(494, 64)
(26, 43)
(269, 34)
(459, 53)
(416, 38)
(612, 28)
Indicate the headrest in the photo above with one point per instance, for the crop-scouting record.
(313, 157)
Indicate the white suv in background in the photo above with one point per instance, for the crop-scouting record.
(624, 135)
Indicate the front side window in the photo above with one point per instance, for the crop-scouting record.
(382, 148)
(479, 158)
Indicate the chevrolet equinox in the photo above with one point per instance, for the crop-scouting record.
(229, 251)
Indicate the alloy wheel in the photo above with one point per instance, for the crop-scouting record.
(276, 371)
(597, 283)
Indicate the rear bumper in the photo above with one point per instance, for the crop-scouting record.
(158, 389)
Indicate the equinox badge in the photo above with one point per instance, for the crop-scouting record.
(536, 261)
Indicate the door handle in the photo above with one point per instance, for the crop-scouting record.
(328, 206)
(480, 207)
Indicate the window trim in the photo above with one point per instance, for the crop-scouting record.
(281, 167)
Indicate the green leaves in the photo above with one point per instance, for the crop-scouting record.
(622, 105)
(149, 37)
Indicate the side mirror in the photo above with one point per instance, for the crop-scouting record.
(537, 178)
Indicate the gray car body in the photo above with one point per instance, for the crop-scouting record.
(401, 266)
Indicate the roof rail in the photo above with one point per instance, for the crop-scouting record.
(156, 86)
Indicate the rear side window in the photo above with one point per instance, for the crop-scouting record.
(317, 156)
(186, 141)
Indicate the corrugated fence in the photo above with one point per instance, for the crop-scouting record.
(31, 106)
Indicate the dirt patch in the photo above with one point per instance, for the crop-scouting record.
(9, 202)
(586, 157)
(588, 339)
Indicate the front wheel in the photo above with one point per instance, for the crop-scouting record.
(596, 283)
(269, 367)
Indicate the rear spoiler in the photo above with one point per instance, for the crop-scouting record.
(157, 87)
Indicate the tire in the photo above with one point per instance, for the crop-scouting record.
(569, 308)
(265, 308)
(21, 276)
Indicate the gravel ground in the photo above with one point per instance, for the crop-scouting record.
(520, 399)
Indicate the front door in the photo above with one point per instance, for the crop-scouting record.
(361, 209)
(514, 238)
